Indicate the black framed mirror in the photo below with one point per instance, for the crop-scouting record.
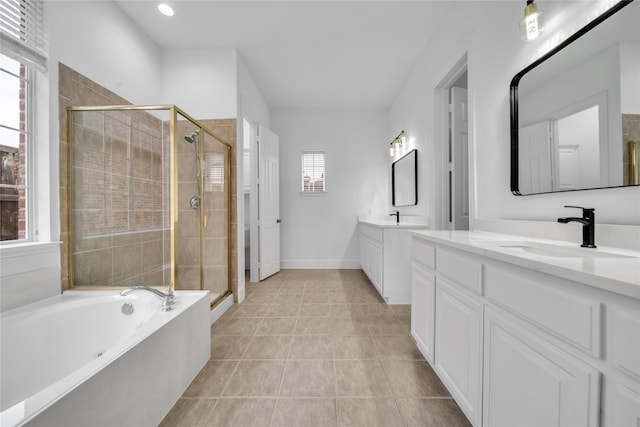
(574, 110)
(404, 180)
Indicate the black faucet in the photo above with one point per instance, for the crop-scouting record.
(588, 222)
(397, 215)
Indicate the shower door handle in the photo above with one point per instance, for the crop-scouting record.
(278, 221)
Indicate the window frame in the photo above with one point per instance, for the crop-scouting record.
(304, 192)
(29, 153)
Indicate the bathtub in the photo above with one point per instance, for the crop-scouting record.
(77, 360)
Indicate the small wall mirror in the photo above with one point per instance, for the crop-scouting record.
(404, 180)
(575, 112)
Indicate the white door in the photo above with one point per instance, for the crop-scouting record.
(268, 202)
(536, 158)
(459, 175)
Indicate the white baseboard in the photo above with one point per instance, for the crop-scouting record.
(320, 264)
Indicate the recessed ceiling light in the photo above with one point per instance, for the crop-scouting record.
(165, 9)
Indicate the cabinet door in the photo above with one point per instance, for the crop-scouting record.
(458, 346)
(423, 294)
(530, 382)
(626, 408)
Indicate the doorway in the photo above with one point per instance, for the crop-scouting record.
(455, 200)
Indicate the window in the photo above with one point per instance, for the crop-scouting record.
(313, 172)
(22, 50)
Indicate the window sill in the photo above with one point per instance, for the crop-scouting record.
(15, 250)
(313, 193)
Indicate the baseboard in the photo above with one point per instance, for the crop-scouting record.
(320, 264)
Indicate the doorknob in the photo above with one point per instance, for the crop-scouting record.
(278, 220)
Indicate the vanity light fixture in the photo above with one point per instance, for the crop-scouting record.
(165, 9)
(532, 24)
(397, 143)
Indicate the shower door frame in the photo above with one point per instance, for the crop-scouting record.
(173, 193)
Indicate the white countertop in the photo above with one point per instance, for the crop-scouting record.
(392, 224)
(611, 269)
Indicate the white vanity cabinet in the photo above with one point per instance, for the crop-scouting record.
(516, 346)
(384, 255)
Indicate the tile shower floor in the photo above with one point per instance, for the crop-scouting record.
(315, 348)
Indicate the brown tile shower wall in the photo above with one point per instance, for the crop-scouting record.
(126, 257)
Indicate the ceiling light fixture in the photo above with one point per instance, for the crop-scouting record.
(165, 9)
(532, 24)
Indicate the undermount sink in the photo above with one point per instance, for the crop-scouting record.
(553, 251)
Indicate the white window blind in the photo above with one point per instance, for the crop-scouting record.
(313, 171)
(22, 32)
(213, 172)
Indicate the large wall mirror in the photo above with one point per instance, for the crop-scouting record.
(404, 180)
(575, 112)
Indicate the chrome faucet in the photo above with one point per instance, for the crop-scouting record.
(397, 215)
(588, 222)
(168, 298)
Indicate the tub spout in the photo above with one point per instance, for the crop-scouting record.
(168, 298)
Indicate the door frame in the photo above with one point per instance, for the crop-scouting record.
(441, 144)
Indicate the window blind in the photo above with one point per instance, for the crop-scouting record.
(213, 172)
(22, 32)
(313, 171)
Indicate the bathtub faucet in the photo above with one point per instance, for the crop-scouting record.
(168, 298)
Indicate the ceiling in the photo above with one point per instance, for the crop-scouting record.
(305, 54)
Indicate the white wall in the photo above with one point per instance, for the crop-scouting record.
(495, 55)
(319, 231)
(202, 82)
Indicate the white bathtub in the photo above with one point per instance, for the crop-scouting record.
(77, 360)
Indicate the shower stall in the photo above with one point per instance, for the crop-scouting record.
(149, 200)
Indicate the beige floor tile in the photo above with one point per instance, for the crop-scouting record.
(252, 310)
(361, 378)
(277, 326)
(283, 310)
(289, 299)
(313, 326)
(315, 310)
(368, 412)
(229, 346)
(291, 288)
(349, 326)
(268, 347)
(401, 309)
(261, 298)
(432, 413)
(235, 326)
(315, 298)
(385, 325)
(212, 379)
(353, 347)
(242, 412)
(345, 310)
(397, 347)
(308, 378)
(188, 413)
(292, 412)
(413, 379)
(255, 378)
(405, 321)
(311, 347)
(377, 309)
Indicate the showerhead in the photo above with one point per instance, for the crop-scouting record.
(192, 137)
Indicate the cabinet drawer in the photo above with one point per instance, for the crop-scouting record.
(372, 233)
(569, 316)
(462, 269)
(626, 341)
(423, 253)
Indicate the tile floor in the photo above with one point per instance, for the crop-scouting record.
(315, 348)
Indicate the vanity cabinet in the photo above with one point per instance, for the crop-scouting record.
(383, 252)
(516, 346)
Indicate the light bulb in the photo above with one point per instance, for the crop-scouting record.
(532, 25)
